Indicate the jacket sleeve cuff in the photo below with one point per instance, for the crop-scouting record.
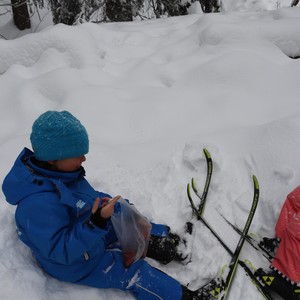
(97, 220)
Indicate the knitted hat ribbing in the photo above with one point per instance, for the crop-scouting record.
(58, 135)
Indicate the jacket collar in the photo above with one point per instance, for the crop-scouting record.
(65, 177)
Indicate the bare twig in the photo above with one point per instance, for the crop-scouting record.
(41, 20)
(3, 37)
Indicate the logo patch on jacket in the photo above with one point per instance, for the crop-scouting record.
(80, 204)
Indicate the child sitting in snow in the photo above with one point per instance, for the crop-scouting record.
(67, 224)
(284, 276)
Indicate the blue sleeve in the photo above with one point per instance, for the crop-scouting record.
(51, 230)
(102, 195)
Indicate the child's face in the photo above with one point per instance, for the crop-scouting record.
(68, 164)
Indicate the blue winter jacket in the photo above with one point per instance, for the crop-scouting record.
(52, 218)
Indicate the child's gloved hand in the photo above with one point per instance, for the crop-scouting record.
(100, 215)
(107, 207)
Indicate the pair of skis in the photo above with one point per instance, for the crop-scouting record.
(220, 292)
(251, 241)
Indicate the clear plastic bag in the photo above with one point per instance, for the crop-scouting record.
(133, 232)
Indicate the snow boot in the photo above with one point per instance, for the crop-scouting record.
(164, 248)
(276, 282)
(167, 248)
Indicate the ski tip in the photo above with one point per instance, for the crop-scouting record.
(194, 186)
(255, 181)
(188, 189)
(206, 153)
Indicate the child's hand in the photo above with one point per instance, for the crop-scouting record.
(107, 207)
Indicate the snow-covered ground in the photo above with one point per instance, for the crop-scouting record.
(152, 95)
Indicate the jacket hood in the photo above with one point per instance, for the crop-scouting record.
(25, 178)
(294, 197)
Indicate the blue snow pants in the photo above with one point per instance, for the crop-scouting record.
(143, 280)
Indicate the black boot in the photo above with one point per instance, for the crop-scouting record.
(277, 283)
(165, 248)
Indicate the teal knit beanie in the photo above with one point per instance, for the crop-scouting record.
(58, 135)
